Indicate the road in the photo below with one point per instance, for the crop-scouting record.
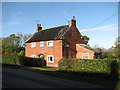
(18, 78)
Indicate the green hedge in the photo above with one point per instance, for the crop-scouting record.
(10, 58)
(27, 61)
(13, 58)
(94, 65)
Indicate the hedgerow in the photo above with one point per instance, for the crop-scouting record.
(16, 59)
(94, 65)
(27, 61)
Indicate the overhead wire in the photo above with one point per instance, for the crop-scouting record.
(103, 21)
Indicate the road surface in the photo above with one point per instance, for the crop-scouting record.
(18, 78)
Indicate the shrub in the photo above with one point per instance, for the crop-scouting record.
(65, 64)
(10, 58)
(81, 65)
(21, 53)
(27, 61)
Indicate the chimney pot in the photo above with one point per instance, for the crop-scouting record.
(72, 22)
(73, 17)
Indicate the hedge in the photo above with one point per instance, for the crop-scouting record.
(27, 61)
(10, 58)
(94, 65)
(13, 58)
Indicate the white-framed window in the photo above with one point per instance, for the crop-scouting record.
(41, 44)
(33, 44)
(33, 56)
(50, 43)
(85, 55)
(50, 58)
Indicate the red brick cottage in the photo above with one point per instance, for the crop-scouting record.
(56, 43)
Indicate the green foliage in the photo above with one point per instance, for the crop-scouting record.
(22, 60)
(27, 61)
(22, 53)
(10, 44)
(80, 65)
(10, 58)
(86, 39)
(65, 64)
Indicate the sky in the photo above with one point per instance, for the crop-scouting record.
(97, 20)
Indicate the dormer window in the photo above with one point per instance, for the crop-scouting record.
(50, 43)
(33, 44)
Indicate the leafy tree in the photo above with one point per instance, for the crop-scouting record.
(112, 52)
(86, 39)
(10, 44)
(26, 36)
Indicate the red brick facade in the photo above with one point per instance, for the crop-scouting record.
(61, 48)
(81, 50)
(73, 37)
(56, 51)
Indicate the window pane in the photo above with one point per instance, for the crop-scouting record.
(50, 43)
(41, 44)
(85, 56)
(51, 59)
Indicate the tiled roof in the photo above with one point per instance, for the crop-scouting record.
(54, 33)
(89, 48)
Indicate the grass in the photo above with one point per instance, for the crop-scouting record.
(44, 68)
(80, 77)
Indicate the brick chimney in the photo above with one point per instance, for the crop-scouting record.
(72, 22)
(38, 28)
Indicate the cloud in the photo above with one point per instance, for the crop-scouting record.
(12, 23)
(103, 28)
(65, 12)
(15, 18)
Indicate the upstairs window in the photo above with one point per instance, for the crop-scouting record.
(33, 44)
(41, 44)
(85, 55)
(50, 43)
(33, 56)
(50, 58)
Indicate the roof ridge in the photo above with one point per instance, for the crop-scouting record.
(52, 28)
(89, 47)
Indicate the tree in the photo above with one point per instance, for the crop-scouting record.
(86, 39)
(10, 44)
(116, 48)
(26, 36)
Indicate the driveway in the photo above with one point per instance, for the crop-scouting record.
(18, 78)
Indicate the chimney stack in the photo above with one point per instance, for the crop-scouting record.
(38, 28)
(72, 22)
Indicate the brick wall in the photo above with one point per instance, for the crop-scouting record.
(73, 37)
(81, 50)
(56, 51)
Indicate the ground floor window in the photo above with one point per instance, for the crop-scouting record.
(33, 56)
(50, 58)
(85, 55)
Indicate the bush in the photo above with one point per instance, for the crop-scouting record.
(10, 58)
(65, 64)
(13, 58)
(21, 53)
(81, 65)
(27, 61)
